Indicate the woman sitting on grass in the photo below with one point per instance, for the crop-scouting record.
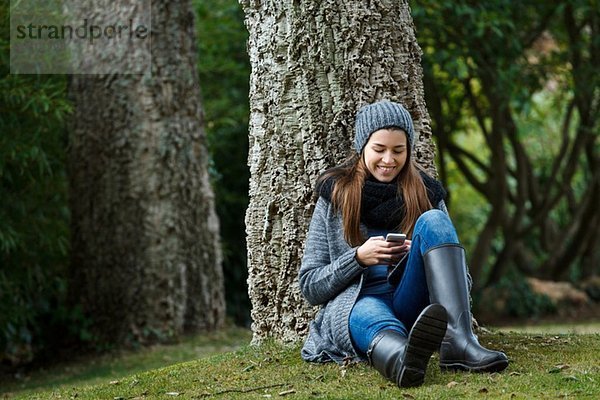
(393, 303)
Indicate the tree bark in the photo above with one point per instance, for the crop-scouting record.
(313, 65)
(146, 258)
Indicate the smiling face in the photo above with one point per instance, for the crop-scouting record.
(385, 154)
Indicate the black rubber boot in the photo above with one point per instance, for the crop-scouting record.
(446, 271)
(404, 360)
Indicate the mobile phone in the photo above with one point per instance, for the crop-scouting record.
(395, 237)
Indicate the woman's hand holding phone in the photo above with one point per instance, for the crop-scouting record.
(377, 251)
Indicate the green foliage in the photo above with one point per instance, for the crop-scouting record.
(224, 78)
(512, 90)
(34, 234)
(468, 207)
(516, 298)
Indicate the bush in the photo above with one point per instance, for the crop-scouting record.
(512, 296)
(34, 217)
(224, 71)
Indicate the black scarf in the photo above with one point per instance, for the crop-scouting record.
(382, 207)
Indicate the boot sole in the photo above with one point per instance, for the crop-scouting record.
(496, 366)
(425, 337)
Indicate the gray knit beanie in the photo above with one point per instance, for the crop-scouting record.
(383, 114)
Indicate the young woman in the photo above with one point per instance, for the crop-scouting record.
(393, 303)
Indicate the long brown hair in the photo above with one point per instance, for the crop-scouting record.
(346, 198)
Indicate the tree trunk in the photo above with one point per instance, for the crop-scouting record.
(313, 65)
(146, 258)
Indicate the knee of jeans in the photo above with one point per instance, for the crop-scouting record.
(434, 217)
(438, 222)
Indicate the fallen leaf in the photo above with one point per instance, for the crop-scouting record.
(451, 384)
(114, 382)
(174, 394)
(286, 392)
(515, 374)
(557, 368)
(493, 377)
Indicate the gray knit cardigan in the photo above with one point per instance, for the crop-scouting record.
(330, 277)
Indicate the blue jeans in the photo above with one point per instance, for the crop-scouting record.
(396, 311)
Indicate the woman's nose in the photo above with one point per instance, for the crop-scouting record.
(387, 157)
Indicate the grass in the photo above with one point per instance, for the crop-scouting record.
(554, 328)
(542, 366)
(90, 370)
